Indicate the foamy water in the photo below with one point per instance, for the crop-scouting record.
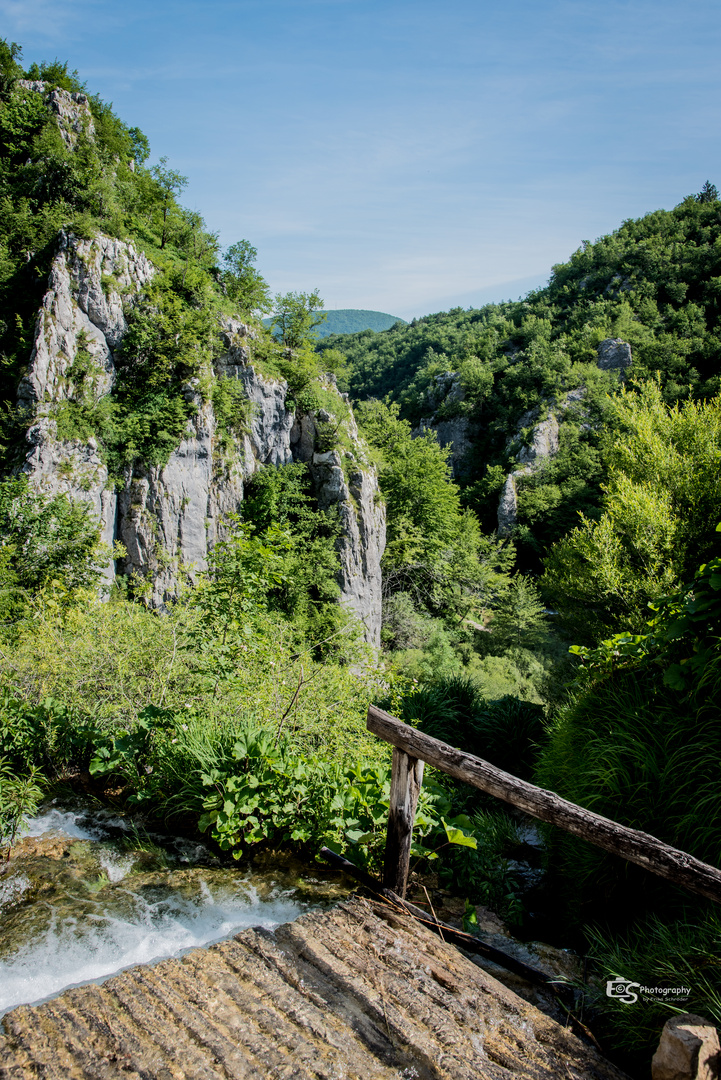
(98, 910)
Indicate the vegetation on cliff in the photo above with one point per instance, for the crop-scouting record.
(241, 709)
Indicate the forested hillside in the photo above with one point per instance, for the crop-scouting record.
(351, 320)
(213, 558)
(655, 283)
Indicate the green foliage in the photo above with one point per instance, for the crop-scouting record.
(19, 797)
(639, 743)
(101, 184)
(307, 592)
(295, 318)
(244, 286)
(683, 634)
(654, 953)
(353, 320)
(164, 360)
(10, 69)
(56, 74)
(654, 283)
(125, 753)
(485, 873)
(171, 183)
(232, 411)
(505, 732)
(435, 552)
(661, 505)
(518, 618)
(44, 735)
(44, 543)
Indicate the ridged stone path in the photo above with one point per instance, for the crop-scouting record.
(353, 993)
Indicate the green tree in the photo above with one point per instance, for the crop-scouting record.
(44, 541)
(435, 551)
(295, 317)
(708, 193)
(244, 285)
(171, 183)
(10, 69)
(519, 616)
(660, 509)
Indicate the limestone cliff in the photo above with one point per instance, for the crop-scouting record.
(613, 355)
(169, 516)
(72, 110)
(455, 432)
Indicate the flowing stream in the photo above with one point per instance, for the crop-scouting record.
(86, 895)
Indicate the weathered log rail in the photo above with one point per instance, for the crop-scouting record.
(412, 747)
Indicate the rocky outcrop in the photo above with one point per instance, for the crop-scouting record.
(80, 324)
(73, 468)
(82, 312)
(614, 355)
(543, 443)
(357, 991)
(72, 110)
(169, 517)
(453, 432)
(343, 478)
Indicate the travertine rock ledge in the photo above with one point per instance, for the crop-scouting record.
(354, 993)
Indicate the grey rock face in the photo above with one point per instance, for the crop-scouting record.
(544, 440)
(77, 313)
(268, 442)
(344, 479)
(508, 505)
(454, 433)
(169, 517)
(614, 355)
(76, 470)
(77, 310)
(543, 443)
(71, 109)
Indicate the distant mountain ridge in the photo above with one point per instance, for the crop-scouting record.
(353, 321)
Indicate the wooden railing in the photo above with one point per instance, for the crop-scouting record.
(411, 748)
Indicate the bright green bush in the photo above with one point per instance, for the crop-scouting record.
(660, 510)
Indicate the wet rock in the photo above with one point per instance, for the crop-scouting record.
(689, 1050)
(50, 847)
(357, 992)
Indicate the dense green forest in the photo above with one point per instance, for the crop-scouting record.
(351, 320)
(579, 648)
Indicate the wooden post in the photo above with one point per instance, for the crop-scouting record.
(406, 780)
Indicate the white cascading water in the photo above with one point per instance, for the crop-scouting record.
(122, 918)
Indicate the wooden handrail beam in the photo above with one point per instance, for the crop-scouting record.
(630, 844)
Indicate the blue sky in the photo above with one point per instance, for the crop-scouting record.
(406, 156)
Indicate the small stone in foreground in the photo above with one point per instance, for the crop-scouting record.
(689, 1050)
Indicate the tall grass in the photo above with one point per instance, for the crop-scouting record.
(645, 755)
(654, 953)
